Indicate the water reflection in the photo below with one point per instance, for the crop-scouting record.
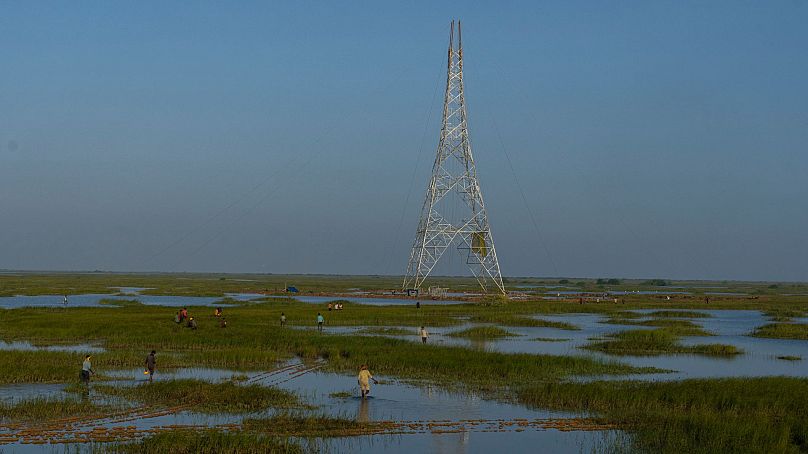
(363, 415)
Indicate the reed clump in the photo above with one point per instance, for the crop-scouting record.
(483, 332)
(206, 397)
(386, 330)
(457, 366)
(516, 320)
(696, 416)
(783, 331)
(656, 342)
(673, 326)
(315, 425)
(44, 409)
(783, 314)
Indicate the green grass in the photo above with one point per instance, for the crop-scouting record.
(549, 339)
(694, 416)
(253, 341)
(24, 366)
(761, 415)
(514, 320)
(44, 409)
(257, 435)
(783, 331)
(389, 331)
(308, 426)
(26, 283)
(674, 326)
(790, 358)
(205, 397)
(482, 332)
(207, 442)
(783, 314)
(656, 342)
(457, 366)
(709, 415)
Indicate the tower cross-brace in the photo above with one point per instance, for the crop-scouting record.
(454, 179)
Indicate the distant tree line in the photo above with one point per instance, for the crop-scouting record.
(608, 281)
(656, 282)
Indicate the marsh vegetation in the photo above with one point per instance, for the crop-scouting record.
(783, 331)
(657, 342)
(762, 414)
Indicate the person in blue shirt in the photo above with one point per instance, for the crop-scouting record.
(320, 321)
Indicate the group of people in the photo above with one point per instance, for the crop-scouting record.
(364, 378)
(150, 364)
(182, 316)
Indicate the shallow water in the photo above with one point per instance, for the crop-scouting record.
(131, 290)
(27, 391)
(183, 301)
(528, 441)
(398, 401)
(136, 376)
(393, 400)
(369, 301)
(728, 326)
(615, 292)
(401, 401)
(85, 300)
(93, 300)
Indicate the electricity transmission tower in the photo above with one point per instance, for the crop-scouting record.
(453, 211)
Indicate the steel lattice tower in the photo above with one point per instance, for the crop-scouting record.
(453, 211)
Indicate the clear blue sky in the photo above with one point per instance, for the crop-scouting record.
(651, 139)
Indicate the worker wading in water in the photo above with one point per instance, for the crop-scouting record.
(364, 380)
